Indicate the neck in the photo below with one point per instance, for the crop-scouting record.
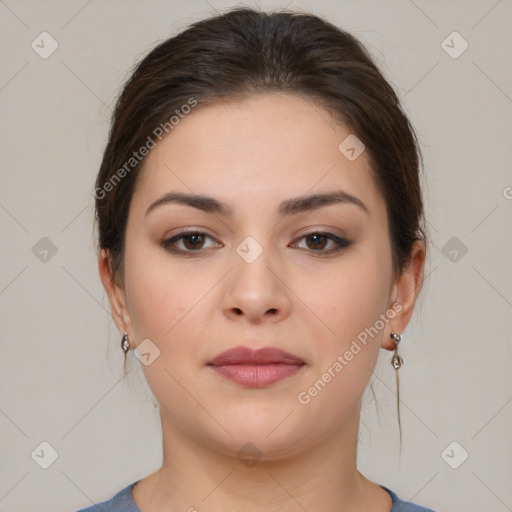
(194, 477)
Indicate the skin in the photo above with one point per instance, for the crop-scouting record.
(253, 154)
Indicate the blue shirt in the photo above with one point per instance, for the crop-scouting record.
(123, 502)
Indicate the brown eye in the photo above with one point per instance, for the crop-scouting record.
(188, 242)
(319, 241)
(193, 241)
(316, 241)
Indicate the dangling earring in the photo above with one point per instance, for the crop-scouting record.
(125, 344)
(396, 360)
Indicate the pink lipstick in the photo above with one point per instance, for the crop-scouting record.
(256, 368)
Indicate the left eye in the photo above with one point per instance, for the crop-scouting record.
(317, 242)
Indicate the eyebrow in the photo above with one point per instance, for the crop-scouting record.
(288, 207)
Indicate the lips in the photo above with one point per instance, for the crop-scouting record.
(256, 368)
(245, 355)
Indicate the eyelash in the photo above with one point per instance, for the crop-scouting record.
(343, 243)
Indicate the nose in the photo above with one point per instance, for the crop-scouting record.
(256, 291)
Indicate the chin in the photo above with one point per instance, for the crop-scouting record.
(250, 449)
(268, 436)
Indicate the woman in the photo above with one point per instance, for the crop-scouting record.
(261, 237)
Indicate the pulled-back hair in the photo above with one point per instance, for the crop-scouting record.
(244, 52)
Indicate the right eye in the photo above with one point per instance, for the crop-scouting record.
(187, 242)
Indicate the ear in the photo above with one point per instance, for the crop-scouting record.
(115, 292)
(406, 290)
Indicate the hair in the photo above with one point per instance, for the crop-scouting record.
(243, 52)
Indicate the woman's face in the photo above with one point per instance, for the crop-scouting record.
(256, 275)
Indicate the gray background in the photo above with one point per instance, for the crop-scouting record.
(61, 365)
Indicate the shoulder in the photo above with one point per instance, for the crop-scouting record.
(120, 502)
(404, 506)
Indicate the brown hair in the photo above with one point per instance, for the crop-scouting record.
(243, 52)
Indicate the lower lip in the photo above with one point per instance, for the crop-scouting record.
(257, 376)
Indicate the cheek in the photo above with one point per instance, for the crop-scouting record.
(158, 297)
(165, 307)
(350, 295)
(350, 299)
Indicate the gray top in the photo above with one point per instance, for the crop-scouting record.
(123, 502)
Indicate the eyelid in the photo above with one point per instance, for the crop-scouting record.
(324, 230)
(341, 241)
(168, 242)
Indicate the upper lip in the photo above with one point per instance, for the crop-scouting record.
(246, 355)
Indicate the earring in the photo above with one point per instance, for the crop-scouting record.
(396, 360)
(125, 344)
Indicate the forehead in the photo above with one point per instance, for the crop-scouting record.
(265, 146)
